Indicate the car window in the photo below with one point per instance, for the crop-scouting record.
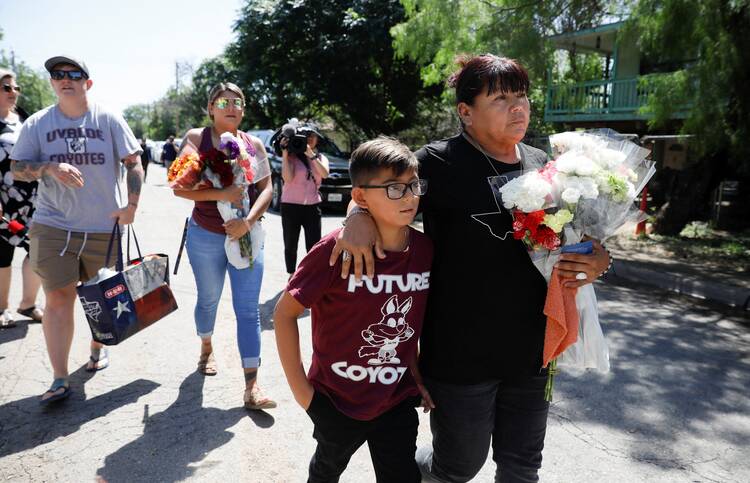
(326, 146)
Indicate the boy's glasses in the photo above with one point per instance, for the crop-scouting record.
(74, 75)
(223, 103)
(396, 191)
(10, 88)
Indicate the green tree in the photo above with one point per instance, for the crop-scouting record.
(315, 58)
(436, 31)
(710, 39)
(37, 91)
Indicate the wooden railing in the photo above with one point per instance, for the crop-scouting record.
(601, 97)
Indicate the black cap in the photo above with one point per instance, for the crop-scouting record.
(64, 59)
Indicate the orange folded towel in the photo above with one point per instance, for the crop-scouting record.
(562, 318)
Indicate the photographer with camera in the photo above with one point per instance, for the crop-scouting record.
(302, 169)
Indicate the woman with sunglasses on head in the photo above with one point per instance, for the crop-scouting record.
(207, 232)
(16, 207)
(300, 199)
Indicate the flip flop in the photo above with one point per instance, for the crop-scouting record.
(6, 320)
(34, 313)
(100, 363)
(57, 384)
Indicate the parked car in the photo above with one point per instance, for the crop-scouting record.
(335, 190)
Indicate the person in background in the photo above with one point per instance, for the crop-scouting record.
(16, 208)
(145, 157)
(300, 199)
(168, 152)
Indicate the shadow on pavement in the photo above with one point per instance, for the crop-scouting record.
(24, 424)
(266, 311)
(177, 437)
(14, 333)
(677, 369)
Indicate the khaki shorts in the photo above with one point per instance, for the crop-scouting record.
(58, 271)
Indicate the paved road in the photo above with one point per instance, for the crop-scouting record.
(674, 408)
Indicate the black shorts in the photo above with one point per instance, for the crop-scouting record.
(7, 250)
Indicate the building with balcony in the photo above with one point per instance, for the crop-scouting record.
(615, 99)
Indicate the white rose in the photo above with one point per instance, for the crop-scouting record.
(571, 195)
(575, 163)
(609, 158)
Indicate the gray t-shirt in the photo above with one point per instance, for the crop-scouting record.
(95, 143)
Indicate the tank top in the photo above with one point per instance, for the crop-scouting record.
(205, 213)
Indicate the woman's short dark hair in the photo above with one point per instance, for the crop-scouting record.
(376, 155)
(489, 73)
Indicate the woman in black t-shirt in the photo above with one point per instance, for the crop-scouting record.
(481, 346)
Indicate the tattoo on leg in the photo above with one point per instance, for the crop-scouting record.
(250, 376)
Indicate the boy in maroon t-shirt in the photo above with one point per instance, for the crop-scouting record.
(363, 381)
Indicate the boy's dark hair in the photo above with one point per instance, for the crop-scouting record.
(373, 156)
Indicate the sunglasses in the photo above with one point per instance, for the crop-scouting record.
(74, 75)
(396, 191)
(223, 103)
(10, 88)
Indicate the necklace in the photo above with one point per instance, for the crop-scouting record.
(479, 147)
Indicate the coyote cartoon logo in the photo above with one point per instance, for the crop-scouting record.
(384, 336)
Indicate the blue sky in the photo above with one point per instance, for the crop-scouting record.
(130, 46)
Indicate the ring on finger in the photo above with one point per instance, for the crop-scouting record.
(345, 255)
(580, 276)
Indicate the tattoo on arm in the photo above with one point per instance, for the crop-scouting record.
(27, 171)
(134, 176)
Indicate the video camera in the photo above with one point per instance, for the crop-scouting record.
(296, 136)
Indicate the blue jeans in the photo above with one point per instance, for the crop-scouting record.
(209, 261)
(511, 414)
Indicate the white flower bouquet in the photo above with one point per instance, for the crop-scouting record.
(587, 190)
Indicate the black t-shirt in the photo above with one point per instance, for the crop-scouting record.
(484, 317)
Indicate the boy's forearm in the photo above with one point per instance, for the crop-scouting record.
(414, 368)
(287, 342)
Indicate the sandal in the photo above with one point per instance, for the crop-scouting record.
(6, 320)
(207, 364)
(98, 363)
(57, 384)
(255, 399)
(34, 313)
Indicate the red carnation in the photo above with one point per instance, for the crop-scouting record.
(546, 237)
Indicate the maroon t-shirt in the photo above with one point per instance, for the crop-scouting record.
(364, 334)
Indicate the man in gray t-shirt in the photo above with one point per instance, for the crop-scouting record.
(81, 154)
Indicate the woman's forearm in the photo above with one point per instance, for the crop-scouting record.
(287, 169)
(320, 166)
(262, 202)
(208, 194)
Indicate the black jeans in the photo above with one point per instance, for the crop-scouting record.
(294, 217)
(511, 414)
(391, 437)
